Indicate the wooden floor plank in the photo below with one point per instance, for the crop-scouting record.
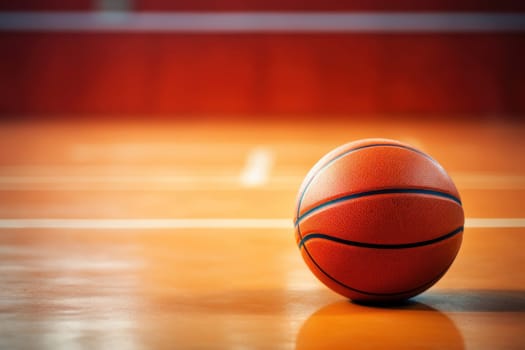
(234, 288)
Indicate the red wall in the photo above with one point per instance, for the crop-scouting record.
(331, 5)
(261, 73)
(276, 5)
(164, 73)
(47, 5)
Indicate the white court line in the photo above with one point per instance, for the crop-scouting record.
(138, 151)
(263, 21)
(488, 180)
(494, 222)
(257, 167)
(255, 173)
(117, 179)
(146, 223)
(204, 223)
(120, 183)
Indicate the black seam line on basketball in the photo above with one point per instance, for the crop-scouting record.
(378, 192)
(353, 150)
(305, 248)
(423, 286)
(308, 185)
(323, 236)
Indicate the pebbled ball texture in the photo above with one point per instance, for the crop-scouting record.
(378, 220)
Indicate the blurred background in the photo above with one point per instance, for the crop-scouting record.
(151, 152)
(261, 58)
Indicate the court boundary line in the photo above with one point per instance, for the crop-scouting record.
(227, 22)
(188, 182)
(203, 223)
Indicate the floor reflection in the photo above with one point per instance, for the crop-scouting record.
(345, 325)
(67, 290)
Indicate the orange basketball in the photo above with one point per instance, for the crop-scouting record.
(378, 220)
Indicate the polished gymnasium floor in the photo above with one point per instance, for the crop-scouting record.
(178, 235)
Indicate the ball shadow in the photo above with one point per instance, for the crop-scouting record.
(474, 300)
(407, 325)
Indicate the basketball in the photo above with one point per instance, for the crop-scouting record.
(378, 220)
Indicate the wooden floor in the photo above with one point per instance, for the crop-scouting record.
(178, 235)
